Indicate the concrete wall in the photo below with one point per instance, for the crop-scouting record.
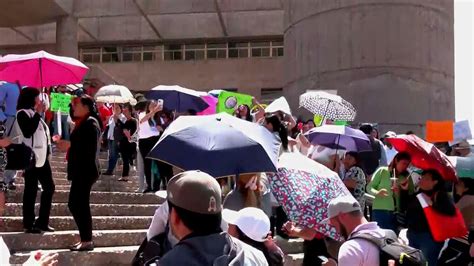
(248, 75)
(393, 59)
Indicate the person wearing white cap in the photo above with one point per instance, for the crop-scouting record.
(390, 151)
(252, 226)
(345, 214)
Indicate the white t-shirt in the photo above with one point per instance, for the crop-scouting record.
(360, 252)
(144, 129)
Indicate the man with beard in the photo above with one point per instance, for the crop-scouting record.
(345, 215)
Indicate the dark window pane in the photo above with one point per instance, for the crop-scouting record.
(190, 55)
(127, 57)
(221, 54)
(243, 53)
(87, 58)
(212, 54)
(147, 56)
(233, 53)
(199, 55)
(168, 55)
(177, 56)
(256, 52)
(266, 52)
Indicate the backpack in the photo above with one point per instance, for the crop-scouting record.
(391, 249)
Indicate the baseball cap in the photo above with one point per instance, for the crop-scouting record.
(253, 222)
(195, 191)
(390, 134)
(342, 204)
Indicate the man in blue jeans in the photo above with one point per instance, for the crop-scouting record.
(112, 143)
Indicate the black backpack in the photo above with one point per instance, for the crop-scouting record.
(391, 249)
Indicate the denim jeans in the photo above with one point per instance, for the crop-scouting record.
(385, 219)
(64, 127)
(113, 155)
(425, 242)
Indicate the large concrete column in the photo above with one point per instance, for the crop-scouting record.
(392, 59)
(66, 36)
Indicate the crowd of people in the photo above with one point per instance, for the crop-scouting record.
(231, 221)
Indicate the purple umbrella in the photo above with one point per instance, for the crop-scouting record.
(330, 135)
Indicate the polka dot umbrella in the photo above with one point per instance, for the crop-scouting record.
(328, 106)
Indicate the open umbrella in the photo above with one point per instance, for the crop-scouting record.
(328, 106)
(219, 144)
(464, 166)
(41, 69)
(330, 135)
(178, 98)
(212, 102)
(304, 188)
(424, 155)
(115, 94)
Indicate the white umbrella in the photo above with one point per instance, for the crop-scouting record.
(328, 106)
(280, 104)
(115, 94)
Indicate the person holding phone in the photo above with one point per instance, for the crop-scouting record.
(148, 135)
(35, 134)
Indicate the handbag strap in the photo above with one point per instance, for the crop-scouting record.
(11, 127)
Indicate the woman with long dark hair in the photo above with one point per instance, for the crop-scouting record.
(35, 134)
(83, 166)
(457, 249)
(275, 125)
(419, 233)
(127, 145)
(382, 186)
(354, 177)
(243, 112)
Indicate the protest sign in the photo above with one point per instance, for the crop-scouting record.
(60, 102)
(439, 131)
(229, 101)
(462, 131)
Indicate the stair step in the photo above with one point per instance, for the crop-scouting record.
(61, 209)
(61, 196)
(61, 239)
(64, 223)
(115, 186)
(116, 256)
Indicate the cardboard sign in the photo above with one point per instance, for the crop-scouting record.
(462, 131)
(60, 102)
(229, 101)
(439, 131)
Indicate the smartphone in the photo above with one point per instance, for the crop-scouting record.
(160, 102)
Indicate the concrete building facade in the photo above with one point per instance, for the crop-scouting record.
(393, 59)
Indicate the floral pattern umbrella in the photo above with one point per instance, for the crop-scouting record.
(304, 188)
(328, 106)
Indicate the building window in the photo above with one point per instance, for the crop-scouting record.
(216, 50)
(153, 53)
(270, 94)
(260, 49)
(277, 49)
(90, 55)
(194, 51)
(239, 50)
(110, 54)
(173, 52)
(131, 53)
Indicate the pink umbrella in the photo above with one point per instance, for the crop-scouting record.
(41, 69)
(212, 102)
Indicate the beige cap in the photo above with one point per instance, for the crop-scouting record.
(195, 191)
(342, 204)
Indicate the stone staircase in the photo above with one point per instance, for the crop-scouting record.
(120, 221)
